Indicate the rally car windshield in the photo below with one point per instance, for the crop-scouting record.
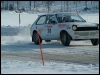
(69, 18)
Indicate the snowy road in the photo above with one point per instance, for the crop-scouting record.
(19, 46)
(77, 53)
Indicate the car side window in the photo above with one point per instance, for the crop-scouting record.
(41, 20)
(67, 19)
(50, 18)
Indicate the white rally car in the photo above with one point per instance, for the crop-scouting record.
(64, 27)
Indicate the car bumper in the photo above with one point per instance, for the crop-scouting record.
(86, 34)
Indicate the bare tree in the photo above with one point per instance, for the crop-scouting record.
(64, 5)
(61, 6)
(76, 6)
(98, 5)
(13, 4)
(91, 2)
(34, 3)
(76, 3)
(86, 4)
(86, 8)
(17, 5)
(48, 5)
(7, 6)
(67, 5)
(2, 2)
(42, 2)
(30, 5)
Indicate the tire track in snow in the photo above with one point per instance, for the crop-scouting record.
(92, 58)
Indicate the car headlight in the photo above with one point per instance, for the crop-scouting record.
(98, 26)
(74, 27)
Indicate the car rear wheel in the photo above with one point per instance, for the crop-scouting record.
(95, 42)
(65, 38)
(35, 38)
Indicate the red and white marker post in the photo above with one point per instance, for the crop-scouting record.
(40, 46)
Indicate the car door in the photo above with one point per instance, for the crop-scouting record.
(40, 24)
(51, 27)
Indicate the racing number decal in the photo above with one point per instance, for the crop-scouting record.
(49, 30)
(49, 26)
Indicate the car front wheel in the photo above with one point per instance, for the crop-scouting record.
(65, 38)
(95, 42)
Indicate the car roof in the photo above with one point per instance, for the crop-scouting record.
(57, 13)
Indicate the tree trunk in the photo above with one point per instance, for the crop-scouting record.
(86, 4)
(48, 7)
(13, 4)
(91, 2)
(17, 5)
(64, 6)
(2, 4)
(76, 3)
(61, 6)
(34, 4)
(67, 5)
(30, 5)
(7, 6)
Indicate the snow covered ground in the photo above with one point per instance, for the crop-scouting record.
(20, 56)
(29, 67)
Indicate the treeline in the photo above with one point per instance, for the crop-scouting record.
(35, 5)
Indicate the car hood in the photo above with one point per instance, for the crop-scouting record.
(85, 24)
